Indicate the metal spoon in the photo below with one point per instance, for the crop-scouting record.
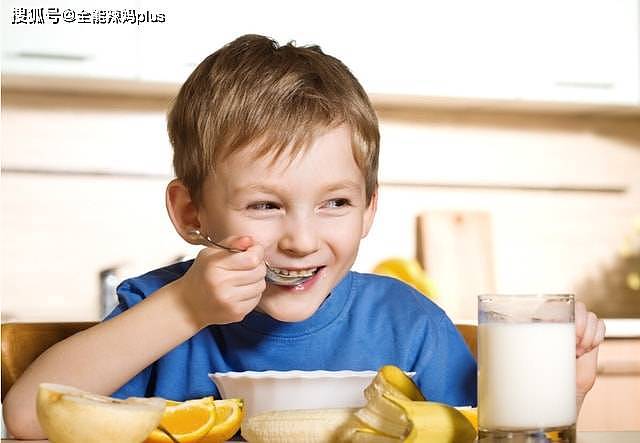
(271, 277)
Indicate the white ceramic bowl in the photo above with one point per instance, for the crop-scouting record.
(282, 390)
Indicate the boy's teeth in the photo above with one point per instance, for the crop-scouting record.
(288, 273)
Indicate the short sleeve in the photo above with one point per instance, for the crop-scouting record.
(128, 295)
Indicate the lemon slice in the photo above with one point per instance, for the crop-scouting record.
(187, 421)
(229, 415)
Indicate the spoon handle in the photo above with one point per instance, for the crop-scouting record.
(211, 242)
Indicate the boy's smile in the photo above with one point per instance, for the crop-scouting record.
(309, 212)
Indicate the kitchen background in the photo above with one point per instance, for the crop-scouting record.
(510, 156)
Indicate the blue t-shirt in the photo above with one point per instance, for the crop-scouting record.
(366, 322)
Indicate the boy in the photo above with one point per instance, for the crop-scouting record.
(275, 152)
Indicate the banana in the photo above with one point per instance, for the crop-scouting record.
(396, 411)
(392, 379)
(365, 435)
(434, 422)
(384, 416)
(297, 426)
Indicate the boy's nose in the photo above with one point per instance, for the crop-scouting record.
(299, 237)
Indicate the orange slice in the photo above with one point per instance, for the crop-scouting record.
(229, 415)
(187, 421)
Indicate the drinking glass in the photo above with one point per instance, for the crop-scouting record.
(526, 368)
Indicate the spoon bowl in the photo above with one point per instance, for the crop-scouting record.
(271, 277)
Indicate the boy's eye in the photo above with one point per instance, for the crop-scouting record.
(263, 206)
(338, 203)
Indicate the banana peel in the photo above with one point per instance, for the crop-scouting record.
(434, 422)
(393, 380)
(397, 411)
(470, 414)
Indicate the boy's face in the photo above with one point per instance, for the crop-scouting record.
(309, 212)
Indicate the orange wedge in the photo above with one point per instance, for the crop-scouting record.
(229, 414)
(187, 421)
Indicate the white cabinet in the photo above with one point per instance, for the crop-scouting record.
(581, 51)
(535, 50)
(454, 49)
(70, 48)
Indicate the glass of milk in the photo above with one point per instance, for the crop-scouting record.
(526, 368)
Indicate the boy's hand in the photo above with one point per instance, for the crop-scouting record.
(589, 334)
(223, 287)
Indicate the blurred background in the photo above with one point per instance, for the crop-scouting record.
(510, 156)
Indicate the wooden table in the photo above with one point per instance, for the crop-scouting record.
(583, 437)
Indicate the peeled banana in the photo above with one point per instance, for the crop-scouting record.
(370, 436)
(297, 426)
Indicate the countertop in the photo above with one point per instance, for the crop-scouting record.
(583, 437)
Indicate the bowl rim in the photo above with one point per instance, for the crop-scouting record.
(296, 374)
(292, 374)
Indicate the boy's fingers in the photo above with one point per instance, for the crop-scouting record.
(589, 332)
(581, 319)
(254, 291)
(240, 242)
(246, 277)
(252, 258)
(600, 331)
(586, 369)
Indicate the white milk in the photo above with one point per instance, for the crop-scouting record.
(527, 375)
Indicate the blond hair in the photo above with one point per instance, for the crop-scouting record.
(254, 91)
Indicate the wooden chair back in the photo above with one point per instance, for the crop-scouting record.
(22, 343)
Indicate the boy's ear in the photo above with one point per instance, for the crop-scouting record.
(182, 210)
(369, 214)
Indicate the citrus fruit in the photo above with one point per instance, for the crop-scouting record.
(187, 421)
(229, 414)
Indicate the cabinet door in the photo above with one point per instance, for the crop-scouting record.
(70, 48)
(581, 51)
(569, 51)
(457, 48)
